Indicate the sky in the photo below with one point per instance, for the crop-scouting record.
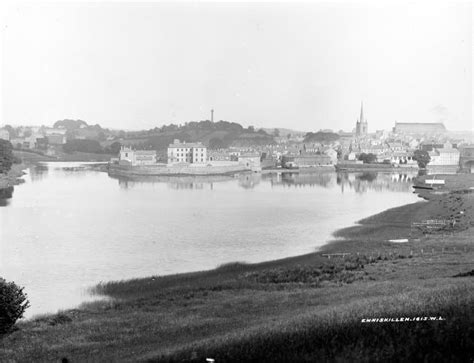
(305, 66)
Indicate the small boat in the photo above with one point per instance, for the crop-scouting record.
(422, 187)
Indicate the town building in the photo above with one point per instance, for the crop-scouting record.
(445, 156)
(305, 160)
(398, 158)
(332, 155)
(251, 161)
(419, 128)
(47, 131)
(56, 139)
(182, 152)
(466, 158)
(362, 126)
(218, 155)
(395, 146)
(129, 156)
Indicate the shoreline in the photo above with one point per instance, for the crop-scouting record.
(13, 177)
(189, 316)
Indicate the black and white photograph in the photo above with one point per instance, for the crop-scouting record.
(236, 181)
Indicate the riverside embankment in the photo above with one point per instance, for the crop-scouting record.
(13, 176)
(303, 308)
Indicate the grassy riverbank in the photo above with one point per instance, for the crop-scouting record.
(34, 157)
(295, 309)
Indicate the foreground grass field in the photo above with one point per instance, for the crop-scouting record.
(306, 308)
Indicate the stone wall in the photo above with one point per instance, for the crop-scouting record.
(175, 170)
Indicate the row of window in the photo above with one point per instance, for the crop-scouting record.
(187, 149)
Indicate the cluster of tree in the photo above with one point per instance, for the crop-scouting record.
(193, 126)
(70, 124)
(321, 136)
(368, 158)
(422, 158)
(215, 135)
(90, 146)
(6, 156)
(87, 146)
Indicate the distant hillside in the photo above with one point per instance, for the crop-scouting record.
(321, 136)
(214, 135)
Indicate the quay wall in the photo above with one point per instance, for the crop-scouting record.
(374, 167)
(151, 170)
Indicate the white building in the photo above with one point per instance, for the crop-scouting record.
(47, 131)
(191, 153)
(332, 154)
(446, 155)
(251, 161)
(137, 157)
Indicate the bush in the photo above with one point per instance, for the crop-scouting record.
(13, 303)
(86, 146)
(6, 156)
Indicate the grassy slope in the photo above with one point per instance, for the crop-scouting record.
(301, 308)
(31, 157)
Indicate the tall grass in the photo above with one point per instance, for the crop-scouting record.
(338, 334)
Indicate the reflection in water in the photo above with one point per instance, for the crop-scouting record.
(38, 172)
(249, 181)
(378, 181)
(360, 182)
(5, 195)
(180, 182)
(323, 179)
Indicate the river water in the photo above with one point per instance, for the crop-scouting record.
(69, 227)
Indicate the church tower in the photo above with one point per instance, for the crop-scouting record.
(362, 127)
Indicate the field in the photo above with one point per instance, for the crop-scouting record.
(306, 308)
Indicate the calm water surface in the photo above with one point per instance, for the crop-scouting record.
(69, 227)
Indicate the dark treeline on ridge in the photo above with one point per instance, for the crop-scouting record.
(215, 135)
(321, 136)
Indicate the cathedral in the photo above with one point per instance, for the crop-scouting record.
(361, 125)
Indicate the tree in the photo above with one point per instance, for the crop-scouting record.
(88, 146)
(115, 147)
(276, 133)
(321, 136)
(216, 143)
(367, 158)
(12, 131)
(422, 158)
(6, 156)
(13, 303)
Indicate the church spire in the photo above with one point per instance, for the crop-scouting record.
(361, 112)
